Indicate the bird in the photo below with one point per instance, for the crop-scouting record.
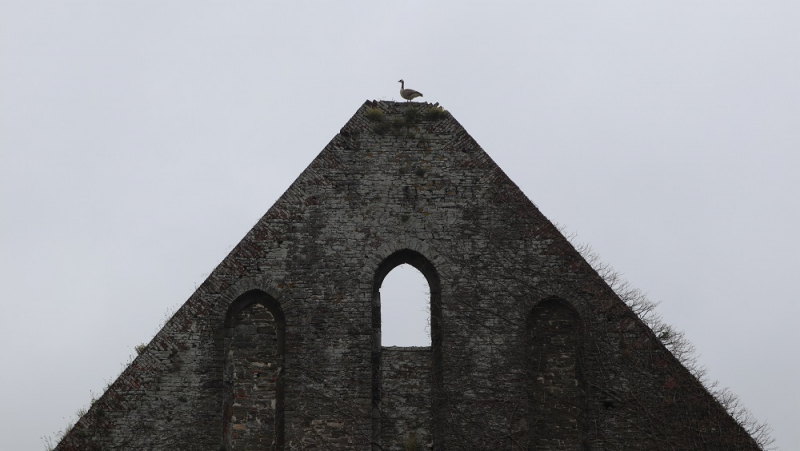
(408, 94)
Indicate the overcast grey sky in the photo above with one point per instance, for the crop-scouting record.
(140, 140)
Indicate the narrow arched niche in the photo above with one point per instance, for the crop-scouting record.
(556, 393)
(406, 381)
(253, 397)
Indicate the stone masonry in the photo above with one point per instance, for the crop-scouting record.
(280, 348)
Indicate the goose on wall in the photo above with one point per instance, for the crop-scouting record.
(408, 94)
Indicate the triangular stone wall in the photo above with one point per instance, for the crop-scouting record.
(280, 347)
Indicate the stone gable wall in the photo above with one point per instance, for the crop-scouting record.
(405, 183)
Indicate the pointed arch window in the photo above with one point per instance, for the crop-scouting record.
(392, 412)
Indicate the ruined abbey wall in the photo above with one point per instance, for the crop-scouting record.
(280, 347)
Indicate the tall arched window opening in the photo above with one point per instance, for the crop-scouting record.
(405, 308)
(407, 400)
(253, 374)
(555, 380)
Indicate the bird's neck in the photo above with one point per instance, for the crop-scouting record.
(402, 85)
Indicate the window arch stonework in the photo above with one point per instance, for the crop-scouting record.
(393, 411)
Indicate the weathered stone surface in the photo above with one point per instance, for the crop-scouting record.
(280, 347)
(406, 396)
